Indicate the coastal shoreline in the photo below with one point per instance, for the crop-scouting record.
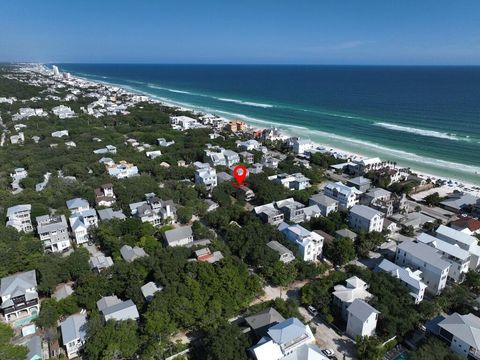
(451, 185)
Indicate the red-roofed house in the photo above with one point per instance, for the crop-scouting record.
(467, 225)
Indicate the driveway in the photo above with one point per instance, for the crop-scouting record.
(327, 338)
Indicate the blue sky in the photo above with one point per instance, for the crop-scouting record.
(242, 31)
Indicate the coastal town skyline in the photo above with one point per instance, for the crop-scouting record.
(218, 32)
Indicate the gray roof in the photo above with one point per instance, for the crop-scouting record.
(74, 327)
(346, 233)
(287, 331)
(364, 211)
(34, 346)
(458, 236)
(100, 261)
(378, 193)
(223, 176)
(361, 310)
(360, 180)
(18, 208)
(109, 214)
(323, 199)
(149, 289)
(107, 301)
(306, 352)
(130, 254)
(122, 311)
(464, 327)
(17, 284)
(62, 291)
(174, 235)
(279, 248)
(77, 202)
(458, 201)
(424, 252)
(47, 223)
(264, 318)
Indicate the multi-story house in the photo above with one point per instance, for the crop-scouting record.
(345, 195)
(53, 232)
(19, 296)
(19, 217)
(309, 244)
(104, 195)
(362, 217)
(77, 205)
(74, 334)
(411, 279)
(122, 170)
(81, 222)
(455, 255)
(325, 204)
(462, 332)
(425, 258)
(295, 181)
(463, 240)
(344, 295)
(269, 214)
(207, 176)
(362, 319)
(154, 210)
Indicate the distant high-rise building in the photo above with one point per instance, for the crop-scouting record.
(56, 72)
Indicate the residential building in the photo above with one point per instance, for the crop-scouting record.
(18, 216)
(244, 193)
(77, 205)
(62, 291)
(60, 133)
(346, 196)
(455, 255)
(462, 332)
(416, 220)
(53, 232)
(154, 210)
(287, 340)
(344, 295)
(231, 157)
(181, 236)
(104, 195)
(364, 218)
(100, 262)
(109, 214)
(346, 233)
(325, 204)
(122, 170)
(361, 183)
(113, 308)
(130, 254)
(109, 149)
(309, 244)
(211, 205)
(459, 201)
(74, 334)
(206, 176)
(205, 254)
(295, 181)
(422, 257)
(262, 321)
(302, 146)
(184, 123)
(236, 125)
(63, 112)
(463, 240)
(247, 158)
(362, 319)
(467, 225)
(285, 254)
(269, 214)
(164, 143)
(19, 296)
(411, 279)
(224, 177)
(149, 289)
(81, 222)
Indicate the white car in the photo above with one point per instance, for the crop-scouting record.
(312, 311)
(328, 352)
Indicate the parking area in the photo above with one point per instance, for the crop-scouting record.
(327, 338)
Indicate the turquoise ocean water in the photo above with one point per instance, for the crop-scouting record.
(427, 118)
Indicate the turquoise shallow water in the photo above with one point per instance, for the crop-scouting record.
(427, 118)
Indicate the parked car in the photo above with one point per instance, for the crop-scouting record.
(312, 311)
(329, 353)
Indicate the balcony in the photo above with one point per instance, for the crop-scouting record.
(20, 306)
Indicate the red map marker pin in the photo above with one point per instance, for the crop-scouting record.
(240, 172)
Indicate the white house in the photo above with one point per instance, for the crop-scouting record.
(455, 255)
(285, 254)
(325, 204)
(420, 256)
(113, 308)
(206, 176)
(462, 332)
(60, 133)
(411, 279)
(18, 216)
(344, 295)
(182, 236)
(362, 319)
(77, 205)
(309, 244)
(345, 195)
(81, 222)
(295, 181)
(365, 218)
(74, 333)
(463, 240)
(122, 170)
(53, 232)
(301, 146)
